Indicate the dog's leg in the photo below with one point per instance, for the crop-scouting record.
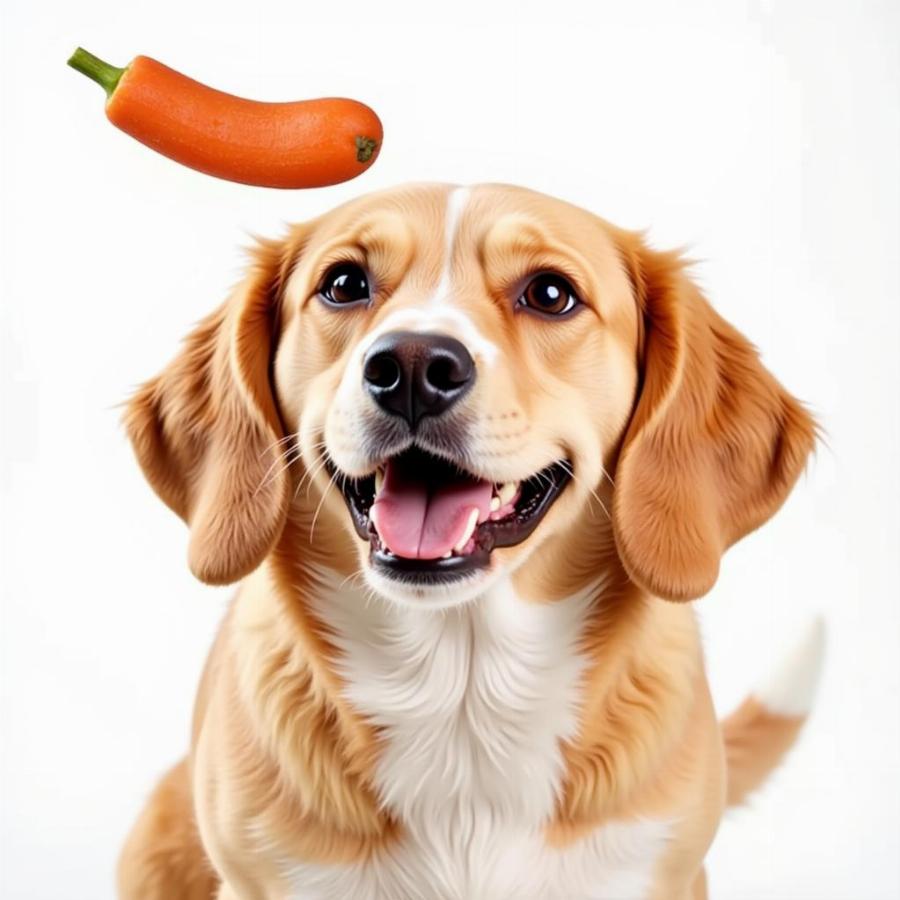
(700, 892)
(163, 858)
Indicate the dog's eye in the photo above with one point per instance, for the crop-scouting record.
(345, 283)
(550, 294)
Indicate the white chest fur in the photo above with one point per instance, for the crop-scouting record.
(473, 704)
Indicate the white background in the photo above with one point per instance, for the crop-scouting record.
(764, 135)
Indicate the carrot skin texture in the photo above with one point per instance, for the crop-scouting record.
(308, 143)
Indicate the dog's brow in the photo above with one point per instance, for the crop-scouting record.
(382, 236)
(382, 230)
(515, 233)
(516, 237)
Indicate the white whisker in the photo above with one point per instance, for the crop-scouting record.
(282, 462)
(593, 493)
(310, 475)
(312, 527)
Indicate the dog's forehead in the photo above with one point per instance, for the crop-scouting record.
(432, 210)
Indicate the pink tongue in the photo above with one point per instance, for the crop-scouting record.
(416, 520)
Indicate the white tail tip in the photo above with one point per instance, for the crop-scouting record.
(791, 687)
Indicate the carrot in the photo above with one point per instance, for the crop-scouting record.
(308, 143)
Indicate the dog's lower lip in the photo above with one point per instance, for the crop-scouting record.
(538, 494)
(426, 571)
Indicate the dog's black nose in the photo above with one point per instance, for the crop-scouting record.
(411, 374)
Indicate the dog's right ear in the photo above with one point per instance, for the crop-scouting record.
(206, 431)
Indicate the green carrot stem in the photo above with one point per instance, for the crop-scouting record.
(103, 73)
(365, 147)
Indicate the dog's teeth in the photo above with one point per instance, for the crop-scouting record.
(379, 480)
(495, 504)
(467, 532)
(507, 492)
(373, 521)
(447, 555)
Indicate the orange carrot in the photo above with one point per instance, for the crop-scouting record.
(309, 143)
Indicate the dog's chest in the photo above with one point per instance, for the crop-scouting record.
(473, 704)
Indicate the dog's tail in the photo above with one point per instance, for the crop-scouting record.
(763, 728)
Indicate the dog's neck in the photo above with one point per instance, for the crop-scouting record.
(475, 719)
(466, 699)
(456, 707)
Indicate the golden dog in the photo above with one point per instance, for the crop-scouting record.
(464, 447)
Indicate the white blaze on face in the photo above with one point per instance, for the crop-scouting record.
(456, 204)
(435, 314)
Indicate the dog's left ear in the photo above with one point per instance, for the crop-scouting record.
(714, 445)
(206, 430)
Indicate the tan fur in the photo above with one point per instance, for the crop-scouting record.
(163, 857)
(715, 443)
(685, 441)
(755, 742)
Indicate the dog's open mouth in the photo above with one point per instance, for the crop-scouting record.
(429, 519)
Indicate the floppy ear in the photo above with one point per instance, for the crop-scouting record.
(206, 430)
(715, 443)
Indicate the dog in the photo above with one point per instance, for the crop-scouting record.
(467, 451)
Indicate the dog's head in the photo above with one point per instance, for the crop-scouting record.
(464, 382)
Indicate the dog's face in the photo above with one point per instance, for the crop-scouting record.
(475, 365)
(456, 372)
